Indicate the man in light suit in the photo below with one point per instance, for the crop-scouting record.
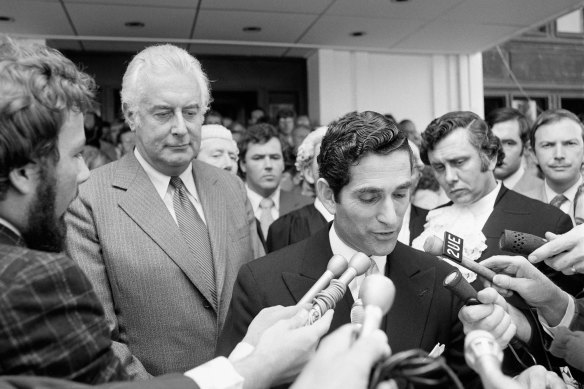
(365, 168)
(261, 162)
(557, 140)
(160, 235)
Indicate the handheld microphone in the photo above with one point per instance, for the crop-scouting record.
(460, 287)
(337, 265)
(377, 293)
(520, 242)
(451, 248)
(328, 298)
(484, 356)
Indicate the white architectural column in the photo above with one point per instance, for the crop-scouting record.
(409, 86)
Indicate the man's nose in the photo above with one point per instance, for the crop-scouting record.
(387, 214)
(268, 164)
(83, 174)
(450, 174)
(179, 126)
(558, 152)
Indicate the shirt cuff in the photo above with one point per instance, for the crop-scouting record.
(241, 351)
(566, 319)
(218, 373)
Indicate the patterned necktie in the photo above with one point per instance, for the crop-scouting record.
(373, 268)
(558, 200)
(195, 233)
(266, 218)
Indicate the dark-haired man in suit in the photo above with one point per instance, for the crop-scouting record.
(365, 180)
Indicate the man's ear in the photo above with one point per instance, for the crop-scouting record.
(307, 173)
(130, 116)
(25, 179)
(242, 165)
(325, 195)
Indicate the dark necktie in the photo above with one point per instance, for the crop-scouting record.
(195, 233)
(558, 200)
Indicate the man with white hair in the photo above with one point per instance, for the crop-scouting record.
(161, 235)
(218, 148)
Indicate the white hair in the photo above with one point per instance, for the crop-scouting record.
(160, 59)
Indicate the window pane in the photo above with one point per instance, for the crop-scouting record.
(571, 23)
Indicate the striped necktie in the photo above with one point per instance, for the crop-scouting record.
(195, 233)
(558, 200)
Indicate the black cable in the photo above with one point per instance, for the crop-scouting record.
(414, 367)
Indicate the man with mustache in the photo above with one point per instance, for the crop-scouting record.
(557, 142)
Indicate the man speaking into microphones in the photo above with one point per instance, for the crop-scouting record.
(365, 168)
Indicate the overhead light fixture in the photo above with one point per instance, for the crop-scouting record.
(358, 33)
(134, 24)
(400, 1)
(6, 19)
(252, 29)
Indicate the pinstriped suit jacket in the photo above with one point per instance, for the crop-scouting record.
(154, 296)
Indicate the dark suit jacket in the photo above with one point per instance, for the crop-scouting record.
(417, 221)
(170, 381)
(51, 321)
(423, 314)
(294, 227)
(516, 212)
(290, 201)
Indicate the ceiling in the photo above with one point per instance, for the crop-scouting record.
(289, 28)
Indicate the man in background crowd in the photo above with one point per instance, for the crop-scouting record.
(512, 128)
(262, 164)
(557, 140)
(218, 148)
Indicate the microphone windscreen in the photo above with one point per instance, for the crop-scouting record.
(478, 344)
(337, 265)
(357, 312)
(460, 287)
(379, 291)
(520, 242)
(360, 262)
(433, 245)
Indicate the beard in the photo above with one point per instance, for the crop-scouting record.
(45, 231)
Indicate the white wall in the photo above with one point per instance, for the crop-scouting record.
(416, 87)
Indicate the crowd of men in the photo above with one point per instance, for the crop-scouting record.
(151, 271)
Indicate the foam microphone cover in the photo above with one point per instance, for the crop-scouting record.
(520, 242)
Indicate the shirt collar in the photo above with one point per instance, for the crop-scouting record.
(255, 198)
(10, 226)
(570, 193)
(161, 181)
(514, 178)
(341, 248)
(323, 211)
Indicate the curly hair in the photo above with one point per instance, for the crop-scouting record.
(38, 88)
(352, 137)
(479, 135)
(507, 114)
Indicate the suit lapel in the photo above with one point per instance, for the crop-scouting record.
(314, 261)
(406, 320)
(144, 206)
(8, 237)
(316, 221)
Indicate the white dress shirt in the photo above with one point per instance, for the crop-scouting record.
(255, 199)
(404, 232)
(570, 193)
(162, 185)
(341, 248)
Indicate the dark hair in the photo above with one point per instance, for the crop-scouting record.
(350, 138)
(38, 88)
(479, 135)
(552, 116)
(259, 133)
(507, 114)
(285, 113)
